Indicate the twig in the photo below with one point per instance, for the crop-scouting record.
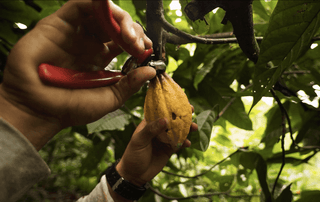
(219, 35)
(205, 172)
(284, 117)
(297, 72)
(200, 195)
(316, 38)
(229, 103)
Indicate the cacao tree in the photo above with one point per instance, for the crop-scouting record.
(250, 68)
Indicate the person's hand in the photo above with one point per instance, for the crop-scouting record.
(69, 38)
(145, 156)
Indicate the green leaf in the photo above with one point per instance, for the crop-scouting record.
(310, 129)
(116, 120)
(12, 5)
(208, 63)
(291, 28)
(201, 138)
(225, 182)
(128, 6)
(48, 7)
(7, 32)
(23, 14)
(248, 159)
(236, 114)
(292, 25)
(259, 9)
(253, 160)
(274, 126)
(309, 196)
(140, 7)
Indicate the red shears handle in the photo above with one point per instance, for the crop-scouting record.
(67, 78)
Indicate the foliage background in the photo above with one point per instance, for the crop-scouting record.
(235, 155)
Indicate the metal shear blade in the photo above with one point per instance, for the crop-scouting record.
(131, 64)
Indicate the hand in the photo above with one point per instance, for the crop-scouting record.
(69, 38)
(145, 156)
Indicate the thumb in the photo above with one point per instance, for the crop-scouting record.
(133, 81)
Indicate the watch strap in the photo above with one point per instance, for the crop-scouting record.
(123, 187)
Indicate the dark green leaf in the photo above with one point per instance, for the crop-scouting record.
(261, 168)
(208, 63)
(252, 160)
(292, 26)
(48, 7)
(274, 126)
(309, 196)
(23, 14)
(236, 114)
(201, 138)
(248, 160)
(225, 182)
(7, 32)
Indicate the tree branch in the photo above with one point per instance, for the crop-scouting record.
(201, 174)
(154, 26)
(199, 195)
(297, 72)
(190, 38)
(316, 38)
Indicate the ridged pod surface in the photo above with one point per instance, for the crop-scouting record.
(166, 99)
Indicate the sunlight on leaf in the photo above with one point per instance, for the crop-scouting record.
(291, 28)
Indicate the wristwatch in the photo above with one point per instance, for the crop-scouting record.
(121, 186)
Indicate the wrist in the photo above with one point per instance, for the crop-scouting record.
(115, 196)
(120, 187)
(38, 129)
(131, 178)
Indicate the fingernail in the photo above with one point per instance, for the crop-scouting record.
(133, 32)
(107, 48)
(162, 123)
(142, 45)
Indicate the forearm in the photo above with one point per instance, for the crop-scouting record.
(36, 128)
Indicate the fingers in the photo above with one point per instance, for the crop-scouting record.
(186, 143)
(146, 132)
(194, 127)
(75, 12)
(132, 83)
(132, 33)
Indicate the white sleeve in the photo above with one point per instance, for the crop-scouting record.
(21, 166)
(99, 194)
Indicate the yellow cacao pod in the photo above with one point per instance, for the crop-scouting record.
(166, 99)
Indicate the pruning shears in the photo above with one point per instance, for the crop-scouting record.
(68, 78)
